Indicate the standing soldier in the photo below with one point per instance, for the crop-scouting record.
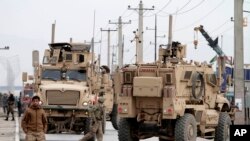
(5, 103)
(97, 113)
(19, 107)
(11, 104)
(34, 122)
(232, 112)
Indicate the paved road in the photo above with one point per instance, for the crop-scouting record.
(110, 135)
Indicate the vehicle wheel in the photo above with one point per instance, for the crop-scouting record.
(186, 128)
(125, 133)
(114, 117)
(222, 130)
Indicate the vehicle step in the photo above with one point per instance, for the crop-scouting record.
(209, 130)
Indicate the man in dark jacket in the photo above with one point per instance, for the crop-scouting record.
(34, 121)
(10, 109)
(19, 107)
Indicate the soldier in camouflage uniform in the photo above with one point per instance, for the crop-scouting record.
(11, 105)
(96, 113)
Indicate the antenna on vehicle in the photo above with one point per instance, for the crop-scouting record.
(53, 32)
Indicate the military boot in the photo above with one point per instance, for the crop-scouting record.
(13, 119)
(6, 119)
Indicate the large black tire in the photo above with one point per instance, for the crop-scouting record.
(186, 128)
(127, 128)
(222, 132)
(114, 117)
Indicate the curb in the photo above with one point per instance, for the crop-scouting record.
(17, 137)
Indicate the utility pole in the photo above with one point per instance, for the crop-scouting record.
(155, 43)
(120, 56)
(239, 84)
(92, 42)
(108, 56)
(140, 31)
(114, 59)
(137, 42)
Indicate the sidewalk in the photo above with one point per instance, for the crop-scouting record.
(9, 130)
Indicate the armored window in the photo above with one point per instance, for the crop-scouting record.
(76, 75)
(211, 79)
(81, 58)
(68, 57)
(186, 76)
(51, 74)
(169, 78)
(53, 60)
(46, 59)
(128, 78)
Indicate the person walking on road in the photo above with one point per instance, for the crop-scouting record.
(11, 104)
(97, 113)
(34, 121)
(5, 103)
(19, 107)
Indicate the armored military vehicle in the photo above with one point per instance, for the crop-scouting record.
(172, 99)
(68, 82)
(27, 92)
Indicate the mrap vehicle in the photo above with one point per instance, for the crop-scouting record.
(68, 82)
(171, 99)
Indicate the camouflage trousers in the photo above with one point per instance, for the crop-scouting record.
(96, 128)
(35, 136)
(10, 109)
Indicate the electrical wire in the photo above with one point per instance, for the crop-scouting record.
(183, 6)
(202, 18)
(179, 13)
(130, 14)
(161, 8)
(216, 29)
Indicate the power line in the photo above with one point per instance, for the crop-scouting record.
(203, 17)
(179, 13)
(191, 8)
(183, 6)
(161, 8)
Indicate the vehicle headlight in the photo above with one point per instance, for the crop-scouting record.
(85, 103)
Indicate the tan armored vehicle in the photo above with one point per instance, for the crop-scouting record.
(171, 99)
(68, 83)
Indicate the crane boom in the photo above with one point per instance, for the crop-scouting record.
(212, 43)
(223, 75)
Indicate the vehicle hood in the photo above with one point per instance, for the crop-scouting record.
(62, 87)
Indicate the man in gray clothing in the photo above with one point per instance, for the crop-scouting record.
(5, 102)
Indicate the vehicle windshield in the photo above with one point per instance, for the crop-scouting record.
(79, 75)
(51, 74)
(55, 75)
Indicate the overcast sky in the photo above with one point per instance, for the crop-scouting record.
(26, 25)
